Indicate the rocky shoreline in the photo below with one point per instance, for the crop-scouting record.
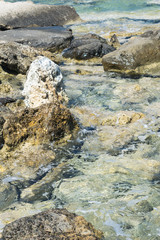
(34, 115)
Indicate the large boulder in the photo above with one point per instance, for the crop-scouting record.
(52, 224)
(44, 83)
(25, 14)
(49, 38)
(140, 55)
(88, 46)
(17, 57)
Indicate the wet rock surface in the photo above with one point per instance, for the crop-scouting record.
(58, 224)
(139, 56)
(49, 38)
(28, 14)
(16, 58)
(88, 46)
(44, 124)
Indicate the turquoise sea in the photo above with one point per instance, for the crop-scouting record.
(105, 16)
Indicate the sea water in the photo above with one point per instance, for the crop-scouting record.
(114, 173)
(108, 16)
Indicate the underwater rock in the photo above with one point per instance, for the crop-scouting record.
(88, 46)
(122, 118)
(39, 125)
(15, 57)
(140, 55)
(42, 189)
(49, 38)
(25, 163)
(26, 14)
(142, 206)
(8, 195)
(52, 224)
(44, 83)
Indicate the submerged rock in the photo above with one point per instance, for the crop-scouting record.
(8, 195)
(49, 38)
(88, 46)
(122, 118)
(140, 55)
(142, 206)
(39, 125)
(42, 190)
(25, 14)
(17, 57)
(44, 83)
(51, 224)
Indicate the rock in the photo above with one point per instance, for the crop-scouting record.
(44, 124)
(2, 121)
(25, 14)
(143, 206)
(26, 163)
(114, 41)
(8, 195)
(122, 118)
(42, 189)
(139, 56)
(51, 224)
(44, 83)
(48, 38)
(6, 100)
(88, 46)
(17, 57)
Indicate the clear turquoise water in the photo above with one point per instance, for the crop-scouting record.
(106, 5)
(120, 16)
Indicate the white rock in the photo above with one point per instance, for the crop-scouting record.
(44, 83)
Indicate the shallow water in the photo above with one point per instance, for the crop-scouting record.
(111, 171)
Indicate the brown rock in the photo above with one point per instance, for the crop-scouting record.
(48, 123)
(52, 224)
(140, 55)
